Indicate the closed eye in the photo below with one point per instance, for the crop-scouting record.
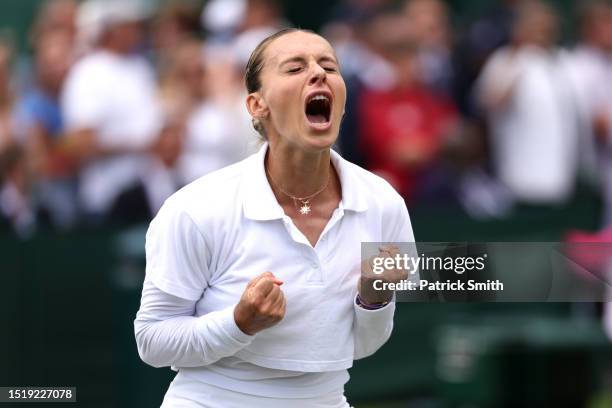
(294, 70)
(330, 69)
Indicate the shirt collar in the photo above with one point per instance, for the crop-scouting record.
(259, 202)
(353, 196)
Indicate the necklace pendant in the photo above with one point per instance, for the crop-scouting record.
(305, 209)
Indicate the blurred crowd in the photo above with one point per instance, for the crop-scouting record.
(117, 104)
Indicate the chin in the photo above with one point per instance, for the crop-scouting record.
(321, 132)
(321, 139)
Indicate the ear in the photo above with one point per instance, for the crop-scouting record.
(256, 106)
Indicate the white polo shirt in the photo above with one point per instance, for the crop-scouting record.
(216, 234)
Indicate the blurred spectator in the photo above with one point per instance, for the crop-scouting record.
(112, 115)
(591, 75)
(219, 131)
(403, 129)
(55, 15)
(7, 97)
(221, 18)
(353, 35)
(244, 22)
(396, 60)
(159, 175)
(432, 31)
(94, 17)
(477, 43)
(261, 18)
(40, 127)
(16, 209)
(525, 91)
(174, 24)
(182, 78)
(481, 195)
(261, 14)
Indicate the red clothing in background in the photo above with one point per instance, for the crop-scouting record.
(402, 132)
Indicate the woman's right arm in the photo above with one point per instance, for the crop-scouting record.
(178, 272)
(167, 333)
(177, 275)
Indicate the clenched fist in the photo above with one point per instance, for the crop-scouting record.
(367, 292)
(262, 304)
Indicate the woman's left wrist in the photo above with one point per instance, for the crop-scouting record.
(370, 294)
(372, 304)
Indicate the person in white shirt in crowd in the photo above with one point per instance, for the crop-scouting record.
(111, 111)
(528, 98)
(218, 130)
(591, 75)
(246, 22)
(253, 291)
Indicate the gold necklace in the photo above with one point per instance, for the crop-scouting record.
(304, 206)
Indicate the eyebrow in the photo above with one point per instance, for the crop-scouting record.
(301, 59)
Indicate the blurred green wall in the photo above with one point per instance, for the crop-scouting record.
(16, 16)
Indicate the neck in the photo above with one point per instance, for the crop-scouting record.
(297, 172)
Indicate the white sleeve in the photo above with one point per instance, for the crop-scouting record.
(167, 333)
(372, 328)
(177, 251)
(396, 225)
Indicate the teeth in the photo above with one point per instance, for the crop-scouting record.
(319, 98)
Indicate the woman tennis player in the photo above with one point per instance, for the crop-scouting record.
(252, 288)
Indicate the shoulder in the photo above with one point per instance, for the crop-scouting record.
(89, 73)
(376, 191)
(90, 64)
(386, 208)
(211, 197)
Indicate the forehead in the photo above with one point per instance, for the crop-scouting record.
(297, 44)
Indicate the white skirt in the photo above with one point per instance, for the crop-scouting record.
(188, 393)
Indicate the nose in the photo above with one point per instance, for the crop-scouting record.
(318, 74)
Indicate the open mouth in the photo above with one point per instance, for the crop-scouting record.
(318, 109)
